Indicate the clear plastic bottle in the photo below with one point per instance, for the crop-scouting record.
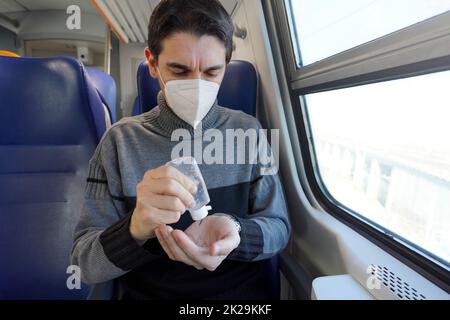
(189, 167)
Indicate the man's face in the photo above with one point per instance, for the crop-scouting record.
(185, 56)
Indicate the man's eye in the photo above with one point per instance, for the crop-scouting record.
(212, 75)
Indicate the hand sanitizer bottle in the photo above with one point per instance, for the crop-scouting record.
(188, 166)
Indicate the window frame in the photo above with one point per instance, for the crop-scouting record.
(394, 56)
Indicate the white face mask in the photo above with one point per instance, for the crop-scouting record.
(190, 100)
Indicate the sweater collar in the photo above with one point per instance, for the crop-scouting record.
(169, 121)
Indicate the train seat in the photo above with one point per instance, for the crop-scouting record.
(107, 89)
(46, 142)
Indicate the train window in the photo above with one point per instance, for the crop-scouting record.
(384, 153)
(373, 121)
(327, 27)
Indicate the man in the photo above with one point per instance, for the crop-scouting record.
(133, 228)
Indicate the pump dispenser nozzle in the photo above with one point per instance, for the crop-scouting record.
(188, 166)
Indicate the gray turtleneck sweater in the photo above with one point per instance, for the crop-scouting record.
(104, 249)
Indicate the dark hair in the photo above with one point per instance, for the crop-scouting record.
(200, 17)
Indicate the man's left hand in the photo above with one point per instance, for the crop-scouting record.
(204, 245)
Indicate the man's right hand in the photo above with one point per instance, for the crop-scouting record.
(163, 195)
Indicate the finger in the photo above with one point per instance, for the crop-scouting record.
(187, 245)
(169, 203)
(163, 217)
(163, 244)
(225, 246)
(195, 252)
(170, 187)
(172, 173)
(176, 250)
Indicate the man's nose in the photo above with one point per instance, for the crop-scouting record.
(196, 75)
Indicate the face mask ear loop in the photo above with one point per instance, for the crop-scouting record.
(160, 76)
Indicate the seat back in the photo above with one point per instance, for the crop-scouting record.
(148, 89)
(107, 89)
(51, 122)
(238, 90)
(136, 107)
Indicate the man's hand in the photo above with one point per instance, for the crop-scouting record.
(163, 196)
(204, 245)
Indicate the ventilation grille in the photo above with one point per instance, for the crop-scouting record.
(395, 284)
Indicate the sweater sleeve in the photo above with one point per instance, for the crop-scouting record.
(265, 231)
(103, 247)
